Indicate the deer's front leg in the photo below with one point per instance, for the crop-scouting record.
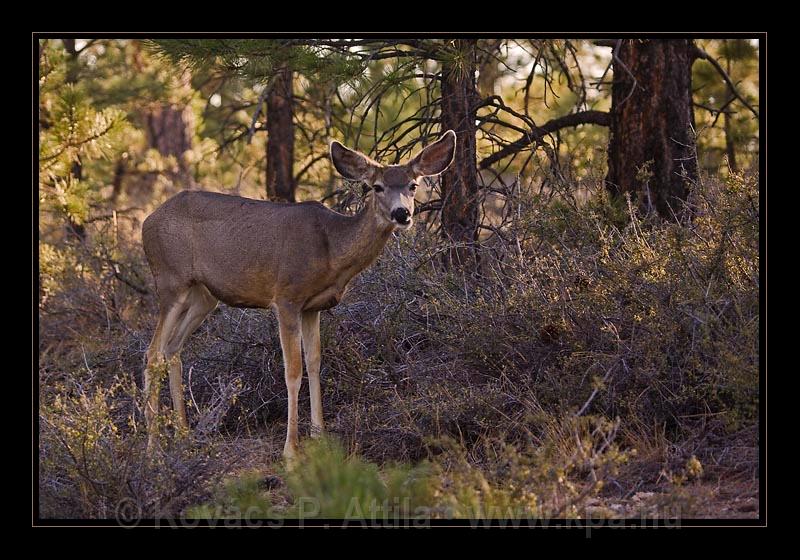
(289, 327)
(311, 349)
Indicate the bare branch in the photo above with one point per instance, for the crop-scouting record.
(88, 44)
(584, 117)
(700, 53)
(309, 165)
(618, 60)
(259, 107)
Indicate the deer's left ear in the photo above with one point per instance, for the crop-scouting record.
(437, 157)
(349, 163)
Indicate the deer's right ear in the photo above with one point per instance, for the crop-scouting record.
(437, 157)
(349, 163)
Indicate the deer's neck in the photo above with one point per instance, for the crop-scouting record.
(361, 241)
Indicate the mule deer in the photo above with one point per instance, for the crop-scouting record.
(206, 247)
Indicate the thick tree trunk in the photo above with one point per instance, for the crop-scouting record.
(280, 138)
(170, 130)
(460, 181)
(652, 151)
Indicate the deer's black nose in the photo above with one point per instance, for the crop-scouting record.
(400, 215)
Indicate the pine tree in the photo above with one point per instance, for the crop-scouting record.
(652, 153)
(72, 134)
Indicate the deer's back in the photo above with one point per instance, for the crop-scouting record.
(243, 250)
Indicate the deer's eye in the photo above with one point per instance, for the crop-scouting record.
(378, 188)
(412, 187)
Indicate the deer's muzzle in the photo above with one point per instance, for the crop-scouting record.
(400, 215)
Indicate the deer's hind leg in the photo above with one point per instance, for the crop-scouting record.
(170, 311)
(180, 315)
(197, 304)
(152, 376)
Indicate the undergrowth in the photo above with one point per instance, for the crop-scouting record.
(591, 350)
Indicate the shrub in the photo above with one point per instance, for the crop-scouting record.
(555, 478)
(555, 475)
(328, 484)
(94, 462)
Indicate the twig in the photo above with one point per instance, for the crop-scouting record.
(594, 392)
(584, 117)
(700, 53)
(128, 282)
(618, 60)
(259, 108)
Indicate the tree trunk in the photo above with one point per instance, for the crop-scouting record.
(730, 147)
(280, 138)
(119, 175)
(169, 130)
(651, 152)
(460, 181)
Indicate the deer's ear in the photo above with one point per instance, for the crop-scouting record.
(437, 157)
(349, 163)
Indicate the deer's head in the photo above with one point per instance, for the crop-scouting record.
(393, 186)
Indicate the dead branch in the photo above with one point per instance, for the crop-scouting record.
(700, 53)
(259, 108)
(535, 135)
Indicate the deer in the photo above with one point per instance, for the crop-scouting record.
(297, 259)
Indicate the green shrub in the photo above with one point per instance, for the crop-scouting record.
(326, 483)
(554, 478)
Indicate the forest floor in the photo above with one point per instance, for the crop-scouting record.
(727, 490)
